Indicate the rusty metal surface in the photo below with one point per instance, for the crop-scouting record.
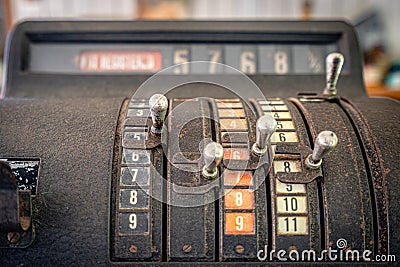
(297, 150)
(345, 179)
(376, 168)
(328, 218)
(245, 247)
(316, 241)
(190, 230)
(383, 121)
(146, 246)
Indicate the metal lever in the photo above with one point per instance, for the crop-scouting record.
(265, 127)
(212, 154)
(334, 64)
(325, 142)
(158, 109)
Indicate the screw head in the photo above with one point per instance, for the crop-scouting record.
(187, 248)
(133, 249)
(239, 249)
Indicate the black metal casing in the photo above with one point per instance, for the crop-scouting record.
(74, 124)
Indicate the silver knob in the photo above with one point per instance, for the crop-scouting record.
(158, 109)
(334, 64)
(212, 155)
(324, 143)
(265, 127)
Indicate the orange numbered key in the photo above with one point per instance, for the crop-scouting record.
(234, 178)
(239, 223)
(239, 199)
(236, 153)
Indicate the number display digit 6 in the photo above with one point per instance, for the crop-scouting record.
(135, 156)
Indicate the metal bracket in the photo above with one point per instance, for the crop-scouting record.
(16, 229)
(307, 175)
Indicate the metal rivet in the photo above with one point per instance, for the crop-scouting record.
(133, 249)
(239, 249)
(187, 248)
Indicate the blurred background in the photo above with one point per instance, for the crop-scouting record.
(376, 22)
